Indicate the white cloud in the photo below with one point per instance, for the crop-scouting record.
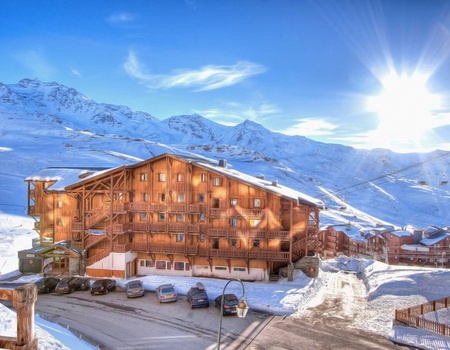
(206, 78)
(36, 62)
(122, 17)
(311, 127)
(75, 72)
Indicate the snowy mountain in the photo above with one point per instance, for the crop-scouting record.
(48, 124)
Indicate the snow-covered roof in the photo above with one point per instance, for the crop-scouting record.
(435, 238)
(271, 186)
(401, 233)
(64, 176)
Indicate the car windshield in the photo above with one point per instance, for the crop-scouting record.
(200, 295)
(39, 283)
(231, 302)
(134, 286)
(167, 290)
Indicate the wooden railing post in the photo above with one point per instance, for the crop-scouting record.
(23, 301)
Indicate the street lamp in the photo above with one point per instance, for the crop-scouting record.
(241, 310)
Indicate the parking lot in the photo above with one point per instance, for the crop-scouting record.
(114, 321)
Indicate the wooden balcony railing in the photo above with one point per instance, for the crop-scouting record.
(177, 207)
(160, 227)
(193, 229)
(135, 226)
(122, 248)
(197, 208)
(136, 206)
(217, 212)
(244, 233)
(179, 228)
(158, 207)
(244, 254)
(77, 226)
(165, 248)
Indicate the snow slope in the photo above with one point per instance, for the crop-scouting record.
(47, 124)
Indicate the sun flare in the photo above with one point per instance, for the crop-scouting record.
(404, 107)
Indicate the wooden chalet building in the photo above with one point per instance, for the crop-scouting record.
(175, 215)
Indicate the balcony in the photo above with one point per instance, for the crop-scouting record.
(178, 228)
(157, 227)
(197, 208)
(165, 248)
(217, 213)
(245, 233)
(240, 212)
(135, 226)
(244, 254)
(77, 226)
(177, 207)
(158, 207)
(136, 206)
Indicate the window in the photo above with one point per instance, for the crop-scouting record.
(180, 237)
(131, 196)
(143, 177)
(181, 266)
(142, 216)
(148, 263)
(233, 222)
(239, 269)
(220, 268)
(161, 177)
(255, 222)
(60, 204)
(202, 217)
(203, 177)
(162, 265)
(233, 202)
(179, 177)
(257, 203)
(180, 218)
(59, 222)
(233, 242)
(215, 243)
(162, 217)
(256, 243)
(163, 197)
(201, 197)
(180, 197)
(202, 237)
(145, 197)
(216, 203)
(217, 181)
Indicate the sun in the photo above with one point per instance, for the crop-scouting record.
(404, 107)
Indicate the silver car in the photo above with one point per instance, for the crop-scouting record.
(134, 289)
(166, 293)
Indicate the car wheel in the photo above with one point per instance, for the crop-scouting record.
(106, 291)
(92, 293)
(71, 290)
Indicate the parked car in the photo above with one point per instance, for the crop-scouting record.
(134, 289)
(166, 293)
(70, 284)
(197, 296)
(230, 303)
(103, 286)
(46, 284)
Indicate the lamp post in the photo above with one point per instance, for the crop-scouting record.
(241, 310)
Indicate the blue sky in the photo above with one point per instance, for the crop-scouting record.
(365, 74)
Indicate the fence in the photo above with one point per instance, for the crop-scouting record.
(23, 299)
(413, 316)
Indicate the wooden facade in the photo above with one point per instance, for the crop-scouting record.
(176, 215)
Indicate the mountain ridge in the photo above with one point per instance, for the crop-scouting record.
(57, 124)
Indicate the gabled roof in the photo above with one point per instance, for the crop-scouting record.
(68, 178)
(63, 176)
(401, 233)
(435, 238)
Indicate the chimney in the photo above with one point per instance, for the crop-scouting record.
(223, 163)
(274, 183)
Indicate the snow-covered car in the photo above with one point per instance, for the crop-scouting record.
(71, 284)
(134, 289)
(166, 293)
(103, 286)
(197, 296)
